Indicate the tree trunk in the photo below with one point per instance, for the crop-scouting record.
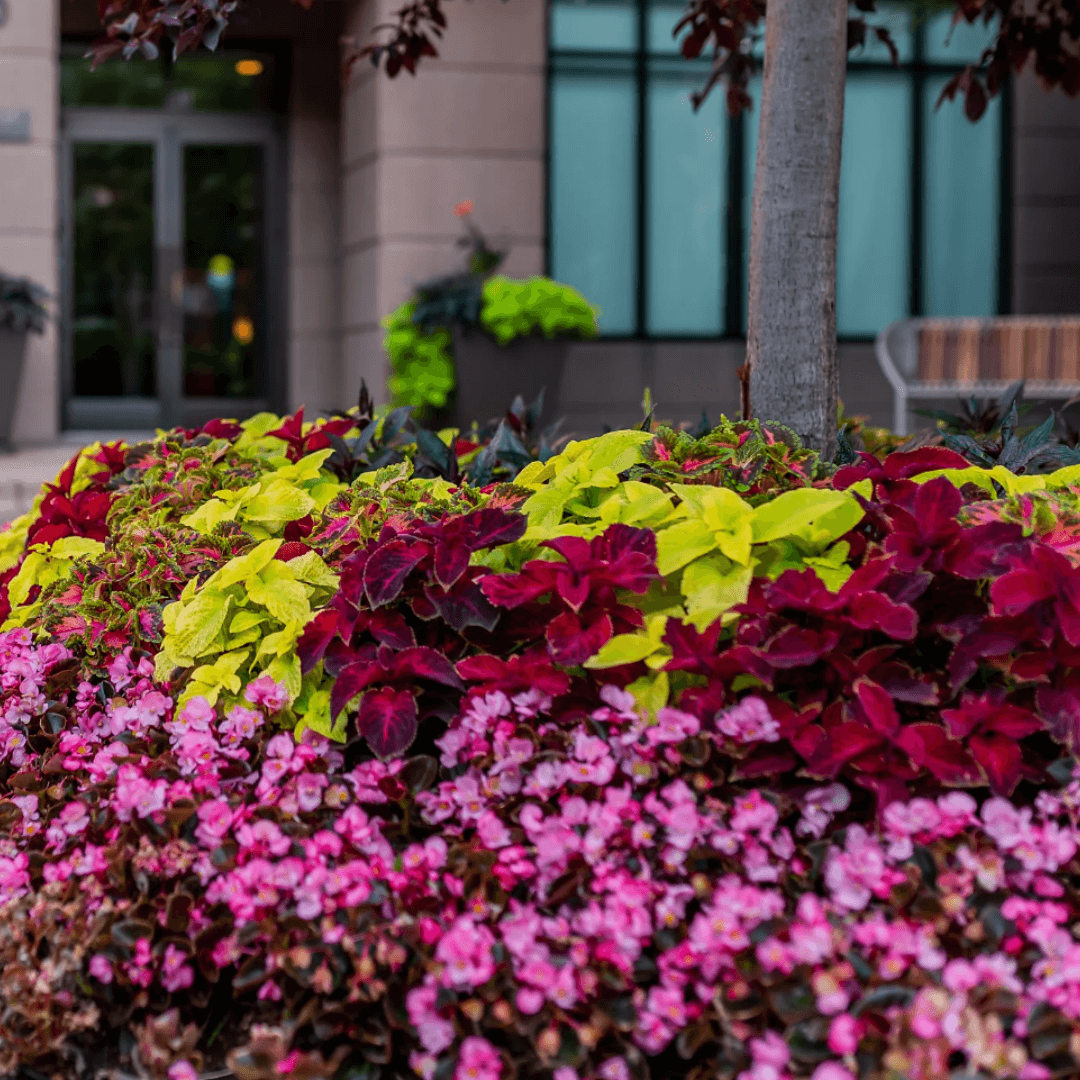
(791, 337)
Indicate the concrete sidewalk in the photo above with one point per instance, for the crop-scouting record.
(23, 472)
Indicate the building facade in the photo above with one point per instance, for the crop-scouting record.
(224, 233)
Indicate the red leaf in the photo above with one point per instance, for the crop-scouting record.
(387, 719)
(389, 565)
(1000, 758)
(840, 745)
(932, 749)
(463, 605)
(352, 679)
(316, 637)
(878, 708)
(425, 663)
(571, 643)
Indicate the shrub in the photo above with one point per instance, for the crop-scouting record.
(421, 350)
(22, 305)
(676, 754)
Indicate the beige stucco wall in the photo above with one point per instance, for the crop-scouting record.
(29, 46)
(314, 355)
(469, 125)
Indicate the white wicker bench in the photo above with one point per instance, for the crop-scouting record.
(926, 359)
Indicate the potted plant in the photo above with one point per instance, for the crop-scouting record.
(22, 311)
(508, 338)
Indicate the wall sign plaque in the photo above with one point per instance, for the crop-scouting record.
(14, 124)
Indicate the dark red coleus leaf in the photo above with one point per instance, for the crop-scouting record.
(931, 748)
(1000, 758)
(530, 670)
(463, 605)
(387, 719)
(572, 641)
(389, 565)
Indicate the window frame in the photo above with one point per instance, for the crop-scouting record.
(916, 72)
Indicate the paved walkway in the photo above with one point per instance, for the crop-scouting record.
(23, 473)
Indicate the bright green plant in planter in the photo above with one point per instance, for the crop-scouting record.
(513, 309)
(421, 361)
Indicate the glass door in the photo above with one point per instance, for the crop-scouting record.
(172, 294)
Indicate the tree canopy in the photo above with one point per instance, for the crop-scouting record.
(1045, 33)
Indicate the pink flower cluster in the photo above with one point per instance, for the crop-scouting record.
(568, 864)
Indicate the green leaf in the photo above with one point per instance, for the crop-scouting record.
(285, 598)
(794, 510)
(680, 544)
(199, 623)
(712, 586)
(622, 649)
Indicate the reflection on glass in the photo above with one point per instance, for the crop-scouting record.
(962, 206)
(113, 327)
(603, 26)
(204, 83)
(960, 44)
(223, 286)
(134, 83)
(873, 256)
(593, 194)
(687, 209)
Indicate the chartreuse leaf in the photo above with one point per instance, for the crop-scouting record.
(199, 623)
(43, 566)
(726, 515)
(794, 510)
(313, 709)
(647, 644)
(254, 598)
(651, 692)
(680, 544)
(1009, 481)
(832, 567)
(712, 585)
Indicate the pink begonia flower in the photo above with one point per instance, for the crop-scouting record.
(749, 721)
(770, 1049)
(615, 1068)
(831, 1070)
(565, 1072)
(101, 968)
(844, 1034)
(182, 1070)
(264, 691)
(477, 1060)
(176, 974)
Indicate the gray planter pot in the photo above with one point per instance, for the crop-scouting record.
(12, 358)
(490, 375)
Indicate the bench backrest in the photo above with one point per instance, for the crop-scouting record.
(926, 358)
(950, 351)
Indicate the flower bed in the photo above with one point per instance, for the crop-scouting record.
(673, 756)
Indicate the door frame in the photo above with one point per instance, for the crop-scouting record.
(169, 131)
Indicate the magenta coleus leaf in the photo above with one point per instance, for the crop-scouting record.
(840, 744)
(572, 642)
(931, 748)
(463, 605)
(353, 679)
(877, 708)
(457, 538)
(389, 565)
(425, 663)
(316, 637)
(387, 719)
(1000, 758)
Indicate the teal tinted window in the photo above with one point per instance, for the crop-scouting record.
(920, 220)
(960, 220)
(687, 204)
(593, 193)
(873, 252)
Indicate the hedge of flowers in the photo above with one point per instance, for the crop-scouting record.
(674, 755)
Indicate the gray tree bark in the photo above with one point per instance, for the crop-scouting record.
(791, 336)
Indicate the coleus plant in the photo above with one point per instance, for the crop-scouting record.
(444, 841)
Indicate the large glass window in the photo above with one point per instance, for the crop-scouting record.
(650, 201)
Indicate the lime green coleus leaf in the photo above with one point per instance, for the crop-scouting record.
(646, 644)
(651, 692)
(290, 492)
(253, 600)
(45, 565)
(792, 511)
(712, 586)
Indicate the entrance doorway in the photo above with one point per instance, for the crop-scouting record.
(172, 257)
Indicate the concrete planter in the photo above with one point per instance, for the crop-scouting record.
(12, 358)
(490, 375)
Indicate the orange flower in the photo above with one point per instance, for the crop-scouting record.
(464, 207)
